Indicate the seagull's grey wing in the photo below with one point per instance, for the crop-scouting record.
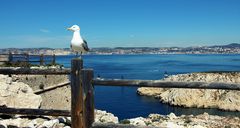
(85, 45)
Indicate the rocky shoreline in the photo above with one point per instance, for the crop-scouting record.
(153, 120)
(200, 98)
(18, 91)
(186, 121)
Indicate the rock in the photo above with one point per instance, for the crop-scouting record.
(230, 101)
(149, 91)
(33, 123)
(68, 120)
(155, 120)
(172, 116)
(198, 126)
(60, 125)
(62, 119)
(100, 116)
(138, 121)
(17, 95)
(9, 80)
(18, 122)
(50, 123)
(201, 98)
(172, 125)
(53, 99)
(3, 126)
(65, 120)
(186, 121)
(104, 117)
(67, 127)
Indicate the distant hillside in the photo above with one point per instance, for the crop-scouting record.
(233, 48)
(232, 45)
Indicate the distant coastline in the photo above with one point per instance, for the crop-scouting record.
(233, 48)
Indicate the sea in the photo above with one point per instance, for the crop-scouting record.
(125, 103)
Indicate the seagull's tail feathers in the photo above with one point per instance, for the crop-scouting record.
(85, 45)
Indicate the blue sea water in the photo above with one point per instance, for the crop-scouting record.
(124, 102)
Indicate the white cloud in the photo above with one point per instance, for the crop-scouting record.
(44, 30)
(132, 36)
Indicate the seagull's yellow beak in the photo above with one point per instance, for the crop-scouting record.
(69, 29)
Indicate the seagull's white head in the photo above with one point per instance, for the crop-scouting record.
(74, 28)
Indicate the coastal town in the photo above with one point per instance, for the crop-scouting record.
(233, 48)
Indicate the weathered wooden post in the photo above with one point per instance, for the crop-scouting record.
(27, 57)
(88, 98)
(54, 59)
(41, 59)
(10, 57)
(76, 93)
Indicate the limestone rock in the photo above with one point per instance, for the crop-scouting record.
(53, 99)
(172, 116)
(202, 98)
(138, 121)
(67, 127)
(104, 117)
(50, 123)
(149, 91)
(18, 122)
(100, 116)
(17, 94)
(186, 121)
(153, 120)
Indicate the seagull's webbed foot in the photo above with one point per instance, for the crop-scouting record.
(80, 57)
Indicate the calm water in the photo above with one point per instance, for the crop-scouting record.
(124, 101)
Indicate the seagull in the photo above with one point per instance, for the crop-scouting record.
(78, 44)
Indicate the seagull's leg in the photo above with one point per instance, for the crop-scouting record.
(80, 55)
(76, 54)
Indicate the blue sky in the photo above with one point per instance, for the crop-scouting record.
(114, 23)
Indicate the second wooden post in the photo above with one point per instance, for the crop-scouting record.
(88, 98)
(76, 94)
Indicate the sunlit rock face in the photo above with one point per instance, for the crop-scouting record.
(17, 94)
(201, 98)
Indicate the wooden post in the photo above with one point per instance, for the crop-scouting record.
(41, 59)
(76, 94)
(54, 59)
(10, 57)
(88, 98)
(27, 57)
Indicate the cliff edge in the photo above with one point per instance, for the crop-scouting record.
(201, 98)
